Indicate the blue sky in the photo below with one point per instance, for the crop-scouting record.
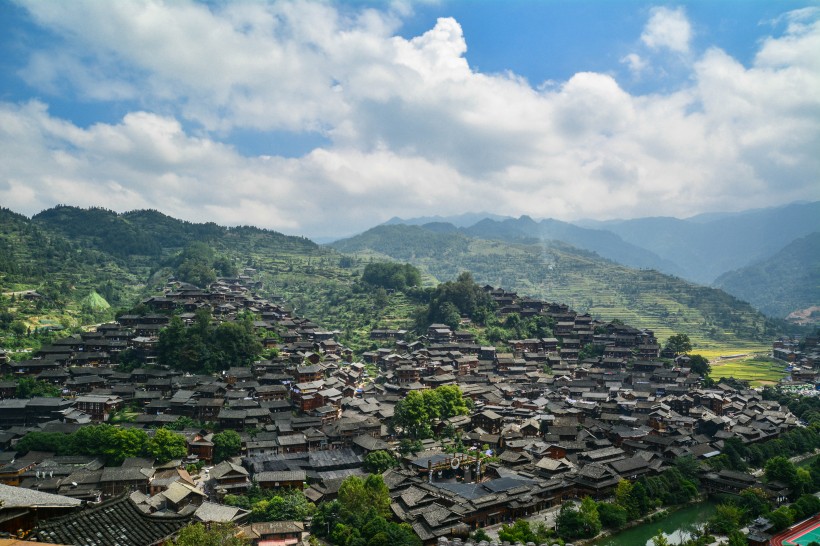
(324, 119)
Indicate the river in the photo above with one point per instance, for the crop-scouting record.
(676, 526)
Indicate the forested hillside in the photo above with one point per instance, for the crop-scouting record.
(786, 282)
(559, 272)
(87, 263)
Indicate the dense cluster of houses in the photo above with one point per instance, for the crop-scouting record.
(546, 425)
(802, 357)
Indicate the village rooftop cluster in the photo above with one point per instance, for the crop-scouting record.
(545, 426)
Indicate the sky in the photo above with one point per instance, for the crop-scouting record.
(326, 118)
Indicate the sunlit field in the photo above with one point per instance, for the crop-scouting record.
(759, 369)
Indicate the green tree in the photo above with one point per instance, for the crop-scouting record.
(700, 365)
(166, 446)
(29, 387)
(451, 402)
(286, 506)
(781, 518)
(519, 531)
(679, 344)
(754, 502)
(391, 276)
(412, 417)
(218, 534)
(613, 516)
(357, 495)
(727, 518)
(377, 462)
(781, 469)
(736, 538)
(18, 328)
(569, 522)
(227, 444)
(590, 516)
(624, 498)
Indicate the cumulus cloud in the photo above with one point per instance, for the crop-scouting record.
(668, 29)
(411, 129)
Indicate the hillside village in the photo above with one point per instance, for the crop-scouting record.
(546, 425)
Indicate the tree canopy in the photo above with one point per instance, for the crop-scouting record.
(415, 413)
(679, 344)
(392, 276)
(217, 534)
(112, 444)
(204, 347)
(452, 299)
(227, 444)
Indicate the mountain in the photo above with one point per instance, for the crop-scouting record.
(783, 283)
(79, 258)
(151, 233)
(460, 220)
(709, 245)
(558, 272)
(602, 242)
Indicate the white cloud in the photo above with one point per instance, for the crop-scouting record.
(635, 63)
(668, 29)
(412, 129)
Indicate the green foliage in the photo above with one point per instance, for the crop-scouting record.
(408, 446)
(805, 506)
(780, 518)
(519, 531)
(206, 348)
(414, 414)
(227, 444)
(216, 534)
(754, 502)
(29, 387)
(736, 538)
(166, 446)
(377, 462)
(670, 487)
(286, 506)
(700, 365)
(391, 276)
(358, 517)
(451, 300)
(727, 518)
(679, 344)
(273, 504)
(583, 522)
(357, 495)
(613, 516)
(781, 469)
(110, 443)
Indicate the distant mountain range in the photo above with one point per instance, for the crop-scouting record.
(699, 249)
(780, 284)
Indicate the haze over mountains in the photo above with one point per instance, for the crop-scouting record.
(700, 249)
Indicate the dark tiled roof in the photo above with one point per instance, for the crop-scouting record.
(114, 523)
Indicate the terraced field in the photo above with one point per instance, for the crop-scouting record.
(714, 320)
(758, 369)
